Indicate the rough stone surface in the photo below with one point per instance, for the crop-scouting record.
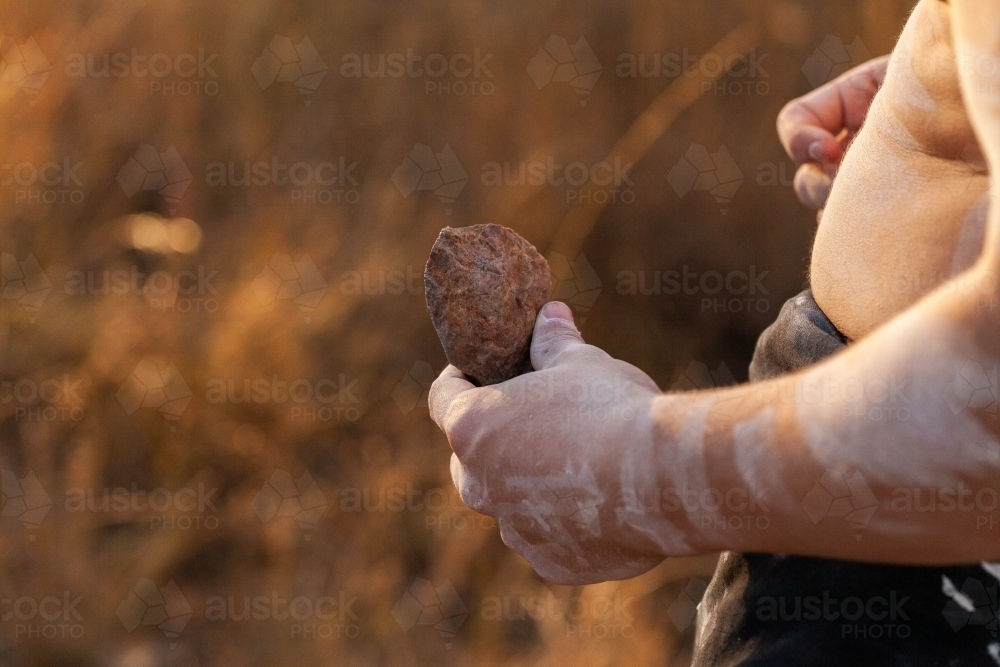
(485, 286)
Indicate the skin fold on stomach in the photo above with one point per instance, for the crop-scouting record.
(908, 207)
(915, 233)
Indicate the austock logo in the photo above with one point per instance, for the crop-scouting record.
(423, 170)
(747, 75)
(285, 62)
(576, 283)
(840, 494)
(559, 62)
(48, 400)
(23, 65)
(712, 508)
(684, 609)
(24, 499)
(51, 182)
(981, 503)
(700, 171)
(183, 291)
(309, 400)
(832, 58)
(460, 74)
(183, 74)
(284, 279)
(584, 615)
(148, 604)
(322, 617)
(150, 387)
(734, 291)
(443, 507)
(187, 508)
(283, 496)
(24, 282)
(975, 388)
(150, 170)
(974, 604)
(697, 376)
(974, 164)
(413, 389)
(48, 617)
(597, 183)
(574, 498)
(423, 603)
(394, 282)
(326, 182)
(874, 617)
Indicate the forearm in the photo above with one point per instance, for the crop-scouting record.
(746, 461)
(884, 414)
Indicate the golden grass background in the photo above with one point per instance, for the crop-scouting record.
(375, 554)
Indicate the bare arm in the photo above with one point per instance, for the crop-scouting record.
(841, 419)
(593, 474)
(886, 415)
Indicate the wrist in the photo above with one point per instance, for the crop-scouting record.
(677, 429)
(717, 468)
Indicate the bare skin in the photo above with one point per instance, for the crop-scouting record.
(574, 458)
(817, 128)
(904, 217)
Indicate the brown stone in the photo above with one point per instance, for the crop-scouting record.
(485, 286)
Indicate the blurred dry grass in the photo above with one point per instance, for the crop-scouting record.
(374, 339)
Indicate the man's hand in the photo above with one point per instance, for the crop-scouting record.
(558, 456)
(815, 129)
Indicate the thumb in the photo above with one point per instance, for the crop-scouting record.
(555, 332)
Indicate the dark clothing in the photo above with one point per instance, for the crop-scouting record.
(789, 611)
(802, 335)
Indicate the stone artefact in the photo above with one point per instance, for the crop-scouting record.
(485, 286)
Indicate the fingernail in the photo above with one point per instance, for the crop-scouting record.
(557, 310)
(816, 150)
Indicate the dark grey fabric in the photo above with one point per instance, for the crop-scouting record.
(802, 335)
(924, 625)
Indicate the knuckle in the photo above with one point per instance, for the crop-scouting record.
(514, 537)
(555, 328)
(787, 112)
(437, 403)
(557, 335)
(462, 426)
(474, 494)
(433, 392)
(457, 430)
(583, 353)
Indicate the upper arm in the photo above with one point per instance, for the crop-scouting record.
(976, 36)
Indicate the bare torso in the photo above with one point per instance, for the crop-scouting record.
(908, 207)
